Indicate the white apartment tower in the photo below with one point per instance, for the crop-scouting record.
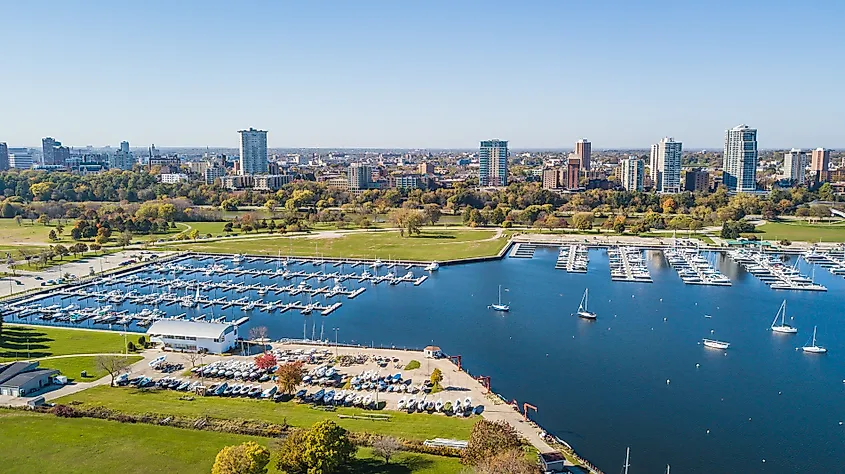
(794, 165)
(631, 173)
(665, 165)
(253, 151)
(739, 162)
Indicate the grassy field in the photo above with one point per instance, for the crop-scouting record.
(72, 367)
(131, 400)
(33, 342)
(802, 232)
(46, 444)
(430, 245)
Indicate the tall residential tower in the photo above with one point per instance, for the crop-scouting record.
(631, 173)
(820, 164)
(582, 151)
(253, 151)
(739, 162)
(794, 164)
(493, 163)
(665, 165)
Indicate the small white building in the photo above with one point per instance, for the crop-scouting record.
(432, 352)
(191, 336)
(173, 178)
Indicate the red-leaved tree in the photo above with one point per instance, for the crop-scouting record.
(265, 361)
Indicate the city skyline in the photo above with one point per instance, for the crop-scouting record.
(376, 81)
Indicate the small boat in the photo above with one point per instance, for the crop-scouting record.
(782, 328)
(713, 344)
(582, 307)
(432, 267)
(411, 404)
(438, 405)
(468, 403)
(813, 348)
(499, 306)
(401, 403)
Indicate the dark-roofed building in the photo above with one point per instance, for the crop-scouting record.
(553, 462)
(22, 378)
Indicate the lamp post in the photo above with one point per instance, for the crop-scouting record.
(335, 341)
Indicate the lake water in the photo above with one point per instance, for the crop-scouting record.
(602, 386)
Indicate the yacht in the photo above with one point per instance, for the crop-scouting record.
(713, 344)
(782, 328)
(499, 306)
(813, 348)
(432, 267)
(582, 307)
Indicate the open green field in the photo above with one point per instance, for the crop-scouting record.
(32, 442)
(34, 342)
(430, 245)
(132, 400)
(802, 232)
(72, 367)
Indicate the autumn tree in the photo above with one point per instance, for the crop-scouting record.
(246, 458)
(265, 361)
(512, 461)
(112, 365)
(289, 376)
(489, 438)
(436, 377)
(583, 220)
(407, 220)
(385, 447)
(323, 449)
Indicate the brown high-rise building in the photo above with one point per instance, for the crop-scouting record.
(553, 178)
(425, 168)
(573, 171)
(582, 151)
(696, 181)
(820, 164)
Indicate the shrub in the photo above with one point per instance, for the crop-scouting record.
(65, 411)
(130, 346)
(414, 364)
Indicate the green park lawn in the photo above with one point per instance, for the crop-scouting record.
(35, 342)
(33, 442)
(72, 367)
(430, 245)
(801, 232)
(131, 400)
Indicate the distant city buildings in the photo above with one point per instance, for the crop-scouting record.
(20, 158)
(425, 168)
(552, 178)
(360, 177)
(739, 161)
(53, 153)
(665, 165)
(583, 152)
(253, 150)
(173, 178)
(632, 173)
(4, 156)
(122, 158)
(696, 181)
(493, 163)
(404, 181)
(820, 164)
(794, 165)
(213, 173)
(573, 170)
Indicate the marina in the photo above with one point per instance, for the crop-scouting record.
(627, 264)
(770, 269)
(693, 268)
(573, 259)
(833, 260)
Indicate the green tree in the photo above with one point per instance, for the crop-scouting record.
(124, 239)
(44, 219)
(61, 251)
(826, 192)
(583, 220)
(323, 449)
(271, 205)
(431, 213)
(436, 377)
(246, 458)
(52, 235)
(407, 220)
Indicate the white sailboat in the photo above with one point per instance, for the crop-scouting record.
(500, 306)
(582, 307)
(714, 344)
(813, 348)
(782, 328)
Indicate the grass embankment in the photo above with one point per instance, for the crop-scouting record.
(131, 400)
(36, 342)
(32, 442)
(801, 232)
(430, 245)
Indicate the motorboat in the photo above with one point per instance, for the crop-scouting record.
(583, 312)
(432, 267)
(714, 344)
(499, 306)
(782, 328)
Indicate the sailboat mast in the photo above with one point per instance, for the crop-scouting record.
(627, 458)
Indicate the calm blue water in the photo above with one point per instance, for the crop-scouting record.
(602, 385)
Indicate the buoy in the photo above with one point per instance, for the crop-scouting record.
(696, 304)
(749, 418)
(840, 423)
(697, 366)
(547, 355)
(708, 431)
(664, 319)
(632, 296)
(711, 331)
(667, 381)
(779, 393)
(661, 299)
(764, 460)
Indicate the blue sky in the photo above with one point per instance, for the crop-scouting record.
(434, 74)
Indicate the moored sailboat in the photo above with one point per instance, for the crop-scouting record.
(499, 306)
(813, 348)
(583, 312)
(782, 328)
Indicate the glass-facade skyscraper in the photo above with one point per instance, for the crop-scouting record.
(493, 163)
(739, 162)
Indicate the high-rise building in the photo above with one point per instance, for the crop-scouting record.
(820, 164)
(739, 161)
(213, 173)
(632, 173)
(696, 181)
(53, 153)
(493, 163)
(20, 158)
(582, 150)
(360, 177)
(794, 164)
(552, 178)
(573, 172)
(124, 146)
(425, 168)
(253, 151)
(665, 165)
(4, 156)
